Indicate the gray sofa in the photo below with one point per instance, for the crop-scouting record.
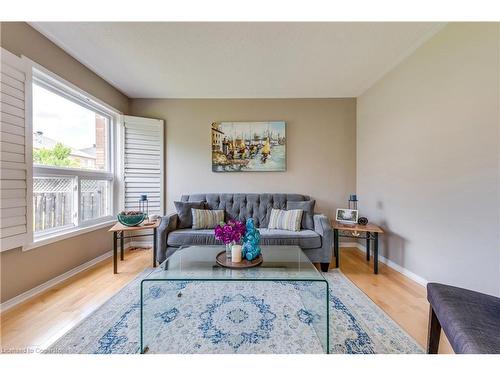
(317, 243)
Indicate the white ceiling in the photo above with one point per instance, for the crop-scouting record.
(239, 60)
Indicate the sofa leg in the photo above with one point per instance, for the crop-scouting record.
(434, 333)
(324, 267)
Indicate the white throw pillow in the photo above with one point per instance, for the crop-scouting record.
(285, 219)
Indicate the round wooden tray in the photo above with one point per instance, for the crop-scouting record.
(222, 261)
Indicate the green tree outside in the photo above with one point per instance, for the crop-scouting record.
(58, 156)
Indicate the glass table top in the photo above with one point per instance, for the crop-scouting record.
(198, 263)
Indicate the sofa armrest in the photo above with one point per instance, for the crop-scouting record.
(323, 227)
(322, 224)
(168, 224)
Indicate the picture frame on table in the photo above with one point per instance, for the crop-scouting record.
(346, 216)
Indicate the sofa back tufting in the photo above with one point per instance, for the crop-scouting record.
(241, 206)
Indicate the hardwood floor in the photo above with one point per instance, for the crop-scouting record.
(37, 323)
(401, 298)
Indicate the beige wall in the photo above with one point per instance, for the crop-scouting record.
(428, 158)
(21, 271)
(321, 149)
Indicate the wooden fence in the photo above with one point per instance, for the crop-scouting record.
(53, 200)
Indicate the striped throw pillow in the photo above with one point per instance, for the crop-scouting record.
(285, 219)
(206, 219)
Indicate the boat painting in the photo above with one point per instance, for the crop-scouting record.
(249, 146)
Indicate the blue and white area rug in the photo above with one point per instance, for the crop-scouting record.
(238, 317)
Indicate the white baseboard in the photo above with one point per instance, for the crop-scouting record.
(418, 279)
(140, 243)
(52, 282)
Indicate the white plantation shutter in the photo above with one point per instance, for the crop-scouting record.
(15, 152)
(143, 163)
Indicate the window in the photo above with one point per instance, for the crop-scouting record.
(72, 158)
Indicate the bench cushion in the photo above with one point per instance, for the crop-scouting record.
(471, 320)
(306, 239)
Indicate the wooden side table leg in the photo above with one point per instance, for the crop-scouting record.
(368, 246)
(336, 251)
(434, 333)
(375, 254)
(115, 255)
(121, 245)
(155, 245)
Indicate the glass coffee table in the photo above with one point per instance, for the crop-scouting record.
(163, 290)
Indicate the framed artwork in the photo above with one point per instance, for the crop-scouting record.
(346, 216)
(249, 146)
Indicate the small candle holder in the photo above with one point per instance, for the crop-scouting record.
(353, 205)
(144, 205)
(236, 255)
(353, 202)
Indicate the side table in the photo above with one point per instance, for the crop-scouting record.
(119, 230)
(367, 232)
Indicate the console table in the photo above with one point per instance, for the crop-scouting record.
(119, 231)
(367, 232)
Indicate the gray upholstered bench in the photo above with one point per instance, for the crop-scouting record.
(470, 320)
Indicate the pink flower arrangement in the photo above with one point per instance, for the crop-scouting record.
(232, 231)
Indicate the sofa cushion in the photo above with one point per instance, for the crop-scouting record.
(184, 212)
(189, 236)
(308, 212)
(306, 239)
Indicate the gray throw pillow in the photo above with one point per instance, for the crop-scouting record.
(307, 216)
(184, 212)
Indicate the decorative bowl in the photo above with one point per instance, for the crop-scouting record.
(131, 220)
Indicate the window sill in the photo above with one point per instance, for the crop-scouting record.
(46, 240)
